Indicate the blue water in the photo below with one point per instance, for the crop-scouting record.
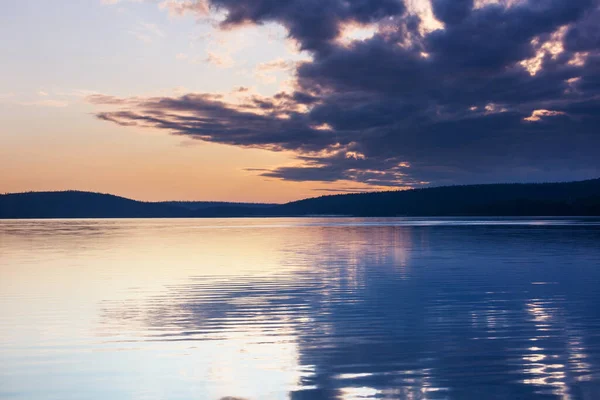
(314, 308)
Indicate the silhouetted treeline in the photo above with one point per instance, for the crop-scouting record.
(571, 198)
(200, 205)
(74, 204)
(544, 199)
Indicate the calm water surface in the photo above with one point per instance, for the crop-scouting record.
(300, 309)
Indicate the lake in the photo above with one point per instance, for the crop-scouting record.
(314, 308)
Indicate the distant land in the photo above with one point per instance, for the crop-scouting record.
(200, 205)
(532, 199)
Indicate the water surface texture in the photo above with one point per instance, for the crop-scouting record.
(300, 309)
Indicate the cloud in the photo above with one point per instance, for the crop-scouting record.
(537, 115)
(98, 98)
(266, 71)
(232, 398)
(452, 11)
(181, 7)
(275, 65)
(223, 60)
(352, 190)
(501, 91)
(272, 123)
(313, 23)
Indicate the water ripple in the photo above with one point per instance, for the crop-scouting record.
(320, 308)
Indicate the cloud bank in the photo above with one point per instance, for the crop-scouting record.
(503, 91)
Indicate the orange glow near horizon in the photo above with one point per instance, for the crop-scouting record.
(144, 165)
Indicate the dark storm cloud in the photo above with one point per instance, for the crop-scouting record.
(585, 35)
(500, 93)
(208, 118)
(314, 23)
(494, 37)
(451, 11)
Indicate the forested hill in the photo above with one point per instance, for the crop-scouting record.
(74, 204)
(571, 198)
(201, 205)
(77, 204)
(544, 199)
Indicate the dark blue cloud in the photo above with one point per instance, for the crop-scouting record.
(500, 93)
(585, 35)
(314, 23)
(451, 11)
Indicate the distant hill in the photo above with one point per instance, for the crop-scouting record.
(542, 199)
(74, 204)
(536, 199)
(201, 205)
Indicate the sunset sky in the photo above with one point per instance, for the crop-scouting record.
(276, 100)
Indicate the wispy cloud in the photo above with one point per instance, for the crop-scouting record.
(266, 72)
(222, 60)
(182, 7)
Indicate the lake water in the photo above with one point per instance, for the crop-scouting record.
(300, 309)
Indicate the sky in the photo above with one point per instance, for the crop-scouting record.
(271, 101)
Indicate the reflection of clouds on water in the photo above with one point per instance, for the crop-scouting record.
(390, 312)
